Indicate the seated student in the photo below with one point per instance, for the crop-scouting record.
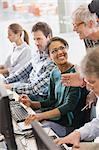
(21, 52)
(90, 71)
(35, 75)
(64, 104)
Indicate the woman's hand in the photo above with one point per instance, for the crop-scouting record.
(25, 100)
(31, 118)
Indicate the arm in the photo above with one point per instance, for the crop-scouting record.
(20, 74)
(39, 86)
(63, 109)
(44, 115)
(67, 99)
(26, 101)
(22, 59)
(71, 98)
(88, 132)
(73, 138)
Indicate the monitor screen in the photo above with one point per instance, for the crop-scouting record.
(6, 127)
(43, 141)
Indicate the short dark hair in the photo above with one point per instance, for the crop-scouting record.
(56, 39)
(44, 27)
(94, 7)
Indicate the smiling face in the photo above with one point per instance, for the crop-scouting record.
(83, 29)
(58, 53)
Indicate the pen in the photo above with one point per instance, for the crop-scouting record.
(87, 106)
(84, 108)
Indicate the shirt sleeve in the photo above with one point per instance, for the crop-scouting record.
(72, 96)
(8, 62)
(40, 86)
(23, 59)
(50, 101)
(90, 130)
(21, 74)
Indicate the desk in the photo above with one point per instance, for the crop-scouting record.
(24, 143)
(89, 146)
(30, 144)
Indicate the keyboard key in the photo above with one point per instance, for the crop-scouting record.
(19, 113)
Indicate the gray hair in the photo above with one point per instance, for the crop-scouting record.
(83, 14)
(90, 63)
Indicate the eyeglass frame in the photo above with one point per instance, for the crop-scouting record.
(55, 50)
(76, 25)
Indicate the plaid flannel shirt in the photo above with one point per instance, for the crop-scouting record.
(37, 81)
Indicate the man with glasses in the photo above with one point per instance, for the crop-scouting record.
(85, 23)
(93, 8)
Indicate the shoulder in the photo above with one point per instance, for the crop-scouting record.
(56, 72)
(25, 46)
(72, 69)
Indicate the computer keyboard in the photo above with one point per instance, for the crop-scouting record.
(19, 113)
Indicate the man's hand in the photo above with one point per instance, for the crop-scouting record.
(73, 138)
(91, 98)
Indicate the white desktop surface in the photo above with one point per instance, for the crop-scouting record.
(30, 143)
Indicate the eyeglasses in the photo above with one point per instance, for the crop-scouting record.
(91, 82)
(55, 50)
(76, 25)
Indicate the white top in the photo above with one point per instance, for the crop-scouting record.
(90, 130)
(19, 57)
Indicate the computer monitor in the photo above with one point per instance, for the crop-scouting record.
(43, 141)
(6, 127)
